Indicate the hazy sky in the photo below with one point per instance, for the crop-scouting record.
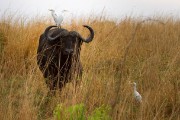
(113, 8)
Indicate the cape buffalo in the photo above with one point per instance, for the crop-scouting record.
(58, 55)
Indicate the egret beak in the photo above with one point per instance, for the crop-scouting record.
(130, 82)
(50, 9)
(64, 10)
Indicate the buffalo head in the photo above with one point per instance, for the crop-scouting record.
(69, 41)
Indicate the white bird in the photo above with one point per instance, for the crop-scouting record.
(57, 19)
(137, 96)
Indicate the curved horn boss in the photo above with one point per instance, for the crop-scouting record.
(54, 32)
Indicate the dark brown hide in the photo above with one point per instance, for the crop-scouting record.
(58, 55)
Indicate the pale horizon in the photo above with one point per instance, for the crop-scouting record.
(112, 8)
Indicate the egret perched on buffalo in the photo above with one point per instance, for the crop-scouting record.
(58, 19)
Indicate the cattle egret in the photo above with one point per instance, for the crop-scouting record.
(57, 18)
(137, 96)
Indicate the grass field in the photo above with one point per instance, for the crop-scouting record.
(147, 52)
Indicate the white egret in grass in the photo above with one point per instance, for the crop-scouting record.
(137, 96)
(58, 19)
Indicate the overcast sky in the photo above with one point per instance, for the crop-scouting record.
(113, 8)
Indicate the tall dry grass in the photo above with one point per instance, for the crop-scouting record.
(148, 54)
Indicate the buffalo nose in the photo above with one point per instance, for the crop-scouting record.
(68, 51)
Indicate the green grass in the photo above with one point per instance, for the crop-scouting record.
(78, 112)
